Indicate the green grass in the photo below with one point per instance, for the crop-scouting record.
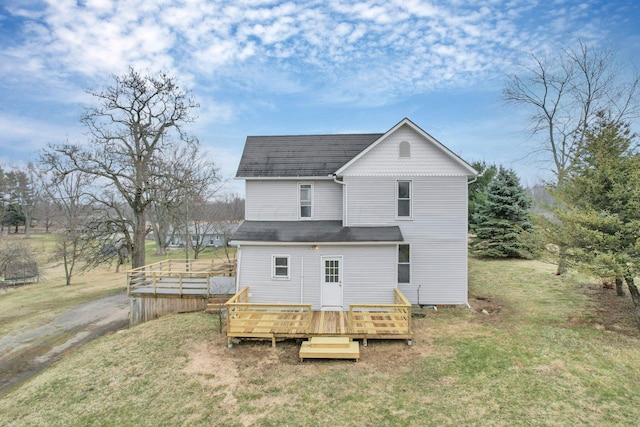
(536, 361)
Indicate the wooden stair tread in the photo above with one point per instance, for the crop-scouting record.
(329, 341)
(352, 351)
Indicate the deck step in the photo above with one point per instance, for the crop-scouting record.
(330, 348)
(329, 341)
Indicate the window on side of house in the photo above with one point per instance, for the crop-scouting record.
(305, 192)
(404, 264)
(280, 267)
(404, 199)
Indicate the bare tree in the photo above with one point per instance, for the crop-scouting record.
(565, 95)
(67, 192)
(138, 120)
(187, 179)
(17, 262)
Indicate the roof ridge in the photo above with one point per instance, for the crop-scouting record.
(315, 134)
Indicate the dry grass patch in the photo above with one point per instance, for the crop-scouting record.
(523, 365)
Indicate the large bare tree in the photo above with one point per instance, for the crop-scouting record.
(138, 120)
(566, 93)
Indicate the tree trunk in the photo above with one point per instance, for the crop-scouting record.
(137, 252)
(619, 286)
(160, 238)
(635, 296)
(562, 261)
(27, 226)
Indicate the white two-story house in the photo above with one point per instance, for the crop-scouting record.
(334, 220)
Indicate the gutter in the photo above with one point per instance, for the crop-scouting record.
(476, 178)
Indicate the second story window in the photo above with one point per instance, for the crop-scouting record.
(306, 197)
(404, 199)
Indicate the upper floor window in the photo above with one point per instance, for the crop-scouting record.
(404, 199)
(306, 196)
(404, 149)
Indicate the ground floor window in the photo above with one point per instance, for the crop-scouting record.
(280, 267)
(404, 264)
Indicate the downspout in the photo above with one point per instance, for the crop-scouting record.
(344, 199)
(238, 264)
(469, 183)
(302, 280)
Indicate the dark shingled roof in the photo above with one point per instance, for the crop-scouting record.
(313, 231)
(300, 155)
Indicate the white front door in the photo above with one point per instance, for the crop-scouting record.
(331, 281)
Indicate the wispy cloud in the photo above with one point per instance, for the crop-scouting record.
(371, 48)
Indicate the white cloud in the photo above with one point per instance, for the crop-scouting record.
(367, 50)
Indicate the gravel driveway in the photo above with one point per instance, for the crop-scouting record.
(26, 353)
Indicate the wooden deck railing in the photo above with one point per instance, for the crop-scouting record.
(263, 320)
(266, 320)
(381, 319)
(179, 276)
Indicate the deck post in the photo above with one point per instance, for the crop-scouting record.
(153, 280)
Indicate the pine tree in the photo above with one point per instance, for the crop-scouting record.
(477, 193)
(503, 223)
(602, 200)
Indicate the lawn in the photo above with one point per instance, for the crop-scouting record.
(539, 354)
(27, 307)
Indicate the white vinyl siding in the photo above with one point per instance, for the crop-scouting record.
(368, 274)
(426, 159)
(437, 234)
(278, 200)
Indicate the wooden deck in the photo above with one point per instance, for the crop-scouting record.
(178, 278)
(176, 286)
(282, 321)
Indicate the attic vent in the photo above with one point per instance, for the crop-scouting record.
(404, 149)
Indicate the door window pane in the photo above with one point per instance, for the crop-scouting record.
(331, 271)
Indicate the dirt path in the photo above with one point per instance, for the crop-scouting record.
(26, 353)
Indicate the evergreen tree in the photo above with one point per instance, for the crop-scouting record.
(602, 200)
(477, 193)
(502, 224)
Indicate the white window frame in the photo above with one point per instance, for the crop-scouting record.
(275, 276)
(404, 263)
(310, 184)
(410, 199)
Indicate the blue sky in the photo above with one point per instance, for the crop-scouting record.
(297, 67)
